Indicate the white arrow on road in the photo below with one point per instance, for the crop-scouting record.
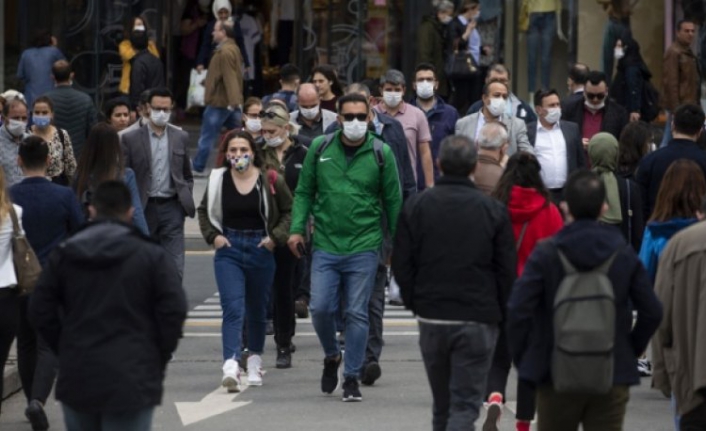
(213, 404)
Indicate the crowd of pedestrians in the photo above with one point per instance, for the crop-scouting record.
(552, 236)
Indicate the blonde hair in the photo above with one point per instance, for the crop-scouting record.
(5, 203)
(281, 117)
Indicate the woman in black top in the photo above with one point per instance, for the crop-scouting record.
(245, 214)
(283, 155)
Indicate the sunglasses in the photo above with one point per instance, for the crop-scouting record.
(351, 117)
(271, 115)
(595, 96)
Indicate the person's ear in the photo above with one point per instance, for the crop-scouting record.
(604, 208)
(130, 213)
(19, 162)
(92, 212)
(700, 216)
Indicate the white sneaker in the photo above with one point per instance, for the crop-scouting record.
(231, 376)
(255, 371)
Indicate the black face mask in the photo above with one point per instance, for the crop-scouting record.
(138, 39)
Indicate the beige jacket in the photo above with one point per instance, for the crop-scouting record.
(224, 80)
(679, 345)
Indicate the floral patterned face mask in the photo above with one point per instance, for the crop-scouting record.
(240, 164)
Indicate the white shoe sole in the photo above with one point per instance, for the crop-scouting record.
(231, 384)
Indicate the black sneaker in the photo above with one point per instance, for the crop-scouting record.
(351, 392)
(284, 357)
(330, 378)
(301, 308)
(371, 373)
(36, 416)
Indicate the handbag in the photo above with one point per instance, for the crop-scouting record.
(461, 65)
(27, 267)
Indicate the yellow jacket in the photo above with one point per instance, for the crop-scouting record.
(126, 53)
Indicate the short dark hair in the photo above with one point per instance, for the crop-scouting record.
(61, 69)
(258, 160)
(633, 144)
(595, 77)
(44, 99)
(111, 199)
(112, 104)
(145, 97)
(486, 87)
(585, 195)
(457, 156)
(465, 5)
(579, 73)
(33, 152)
(160, 92)
(540, 95)
(289, 73)
(352, 98)
(681, 22)
(500, 68)
(41, 37)
(688, 119)
(425, 66)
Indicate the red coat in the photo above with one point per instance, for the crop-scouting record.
(543, 217)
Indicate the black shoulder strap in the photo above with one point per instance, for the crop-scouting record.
(327, 141)
(379, 155)
(61, 137)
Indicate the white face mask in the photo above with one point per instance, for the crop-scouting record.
(355, 130)
(16, 127)
(496, 107)
(139, 28)
(160, 118)
(253, 125)
(619, 53)
(274, 142)
(446, 19)
(392, 98)
(309, 113)
(475, 16)
(596, 107)
(425, 90)
(553, 115)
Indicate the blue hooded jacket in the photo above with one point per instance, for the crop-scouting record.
(657, 235)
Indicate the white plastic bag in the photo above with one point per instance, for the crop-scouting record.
(197, 91)
(394, 296)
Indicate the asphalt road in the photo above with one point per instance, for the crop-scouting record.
(291, 399)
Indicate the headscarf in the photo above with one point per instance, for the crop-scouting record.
(603, 153)
(222, 4)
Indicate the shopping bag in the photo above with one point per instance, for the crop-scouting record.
(197, 91)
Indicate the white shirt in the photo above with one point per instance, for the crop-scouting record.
(550, 149)
(8, 278)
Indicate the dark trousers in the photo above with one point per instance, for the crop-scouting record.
(9, 322)
(36, 362)
(457, 360)
(564, 412)
(694, 420)
(376, 308)
(467, 92)
(134, 420)
(497, 380)
(165, 219)
(284, 296)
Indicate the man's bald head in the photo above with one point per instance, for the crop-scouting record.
(307, 95)
(61, 69)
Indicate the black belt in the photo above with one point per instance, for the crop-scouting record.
(159, 201)
(8, 292)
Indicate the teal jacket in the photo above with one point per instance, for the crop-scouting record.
(346, 199)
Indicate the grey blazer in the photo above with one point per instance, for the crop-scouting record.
(138, 156)
(575, 157)
(516, 129)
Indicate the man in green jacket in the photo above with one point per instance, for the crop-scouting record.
(346, 183)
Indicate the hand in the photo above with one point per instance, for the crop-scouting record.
(560, 34)
(585, 143)
(293, 244)
(488, 50)
(221, 242)
(634, 116)
(199, 68)
(267, 243)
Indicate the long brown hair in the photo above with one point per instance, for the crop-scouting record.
(680, 194)
(522, 170)
(101, 158)
(5, 203)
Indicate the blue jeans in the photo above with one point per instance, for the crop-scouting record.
(134, 420)
(211, 123)
(244, 275)
(353, 276)
(542, 27)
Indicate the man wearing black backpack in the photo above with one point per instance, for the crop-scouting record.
(570, 317)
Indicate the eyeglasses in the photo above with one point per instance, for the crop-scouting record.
(271, 115)
(351, 117)
(595, 96)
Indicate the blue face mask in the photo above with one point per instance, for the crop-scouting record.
(41, 121)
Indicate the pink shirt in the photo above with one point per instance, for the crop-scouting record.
(416, 128)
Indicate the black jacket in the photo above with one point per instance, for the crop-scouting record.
(291, 165)
(111, 305)
(454, 253)
(615, 117)
(575, 157)
(632, 211)
(586, 244)
(147, 72)
(74, 112)
(572, 99)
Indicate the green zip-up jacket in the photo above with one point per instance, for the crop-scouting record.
(346, 199)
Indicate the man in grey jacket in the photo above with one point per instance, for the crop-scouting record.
(74, 110)
(495, 94)
(310, 117)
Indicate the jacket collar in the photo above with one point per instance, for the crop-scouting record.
(446, 180)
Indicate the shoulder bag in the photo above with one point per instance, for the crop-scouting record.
(27, 267)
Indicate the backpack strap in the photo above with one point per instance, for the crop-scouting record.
(568, 267)
(605, 266)
(518, 243)
(379, 155)
(328, 138)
